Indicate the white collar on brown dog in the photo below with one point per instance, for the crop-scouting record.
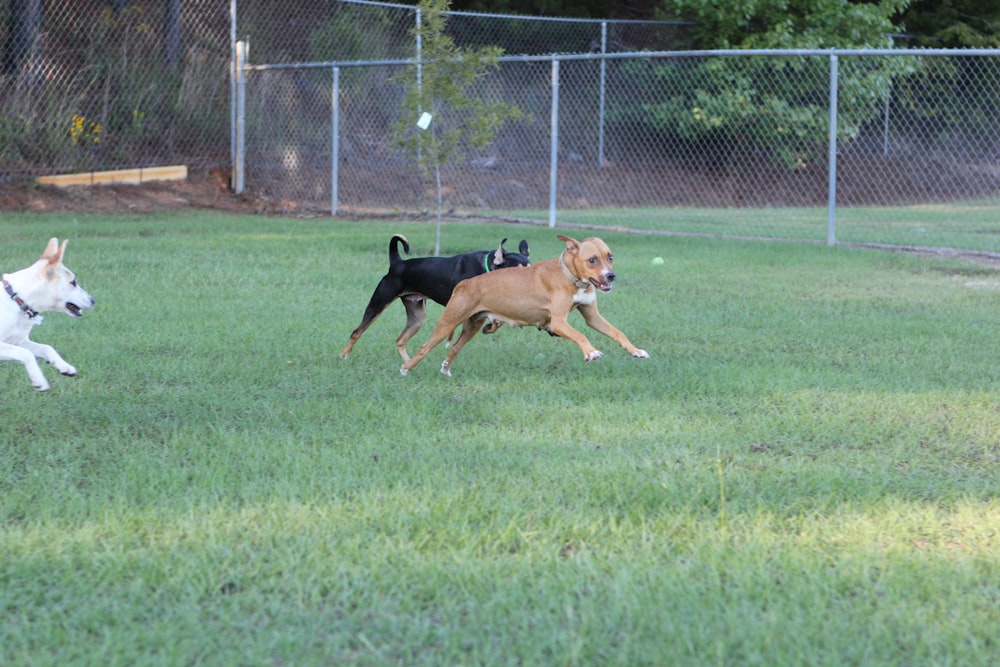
(580, 284)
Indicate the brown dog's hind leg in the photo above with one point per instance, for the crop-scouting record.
(469, 329)
(442, 330)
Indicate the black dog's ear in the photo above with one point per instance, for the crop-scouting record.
(523, 247)
(499, 255)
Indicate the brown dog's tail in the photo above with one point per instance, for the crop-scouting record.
(394, 248)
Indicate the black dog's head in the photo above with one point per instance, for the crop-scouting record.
(501, 259)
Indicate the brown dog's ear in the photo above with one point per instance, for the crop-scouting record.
(571, 244)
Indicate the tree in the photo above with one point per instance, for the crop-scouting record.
(440, 85)
(783, 100)
(172, 33)
(954, 23)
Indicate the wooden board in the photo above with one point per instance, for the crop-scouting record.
(118, 177)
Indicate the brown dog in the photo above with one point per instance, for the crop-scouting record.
(540, 295)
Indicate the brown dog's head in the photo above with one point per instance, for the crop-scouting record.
(590, 261)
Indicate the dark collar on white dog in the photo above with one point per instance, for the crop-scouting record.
(580, 284)
(28, 310)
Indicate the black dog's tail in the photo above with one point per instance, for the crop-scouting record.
(394, 248)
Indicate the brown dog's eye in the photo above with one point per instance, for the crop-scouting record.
(592, 261)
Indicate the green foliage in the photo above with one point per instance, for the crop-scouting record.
(954, 23)
(784, 100)
(787, 24)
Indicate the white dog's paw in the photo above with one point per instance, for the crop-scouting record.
(641, 354)
(67, 370)
(591, 356)
(37, 378)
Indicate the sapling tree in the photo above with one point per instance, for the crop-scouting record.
(441, 83)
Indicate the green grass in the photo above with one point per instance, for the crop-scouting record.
(804, 473)
(964, 225)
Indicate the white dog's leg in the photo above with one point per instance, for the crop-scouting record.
(27, 358)
(49, 354)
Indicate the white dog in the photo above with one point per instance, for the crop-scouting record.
(44, 287)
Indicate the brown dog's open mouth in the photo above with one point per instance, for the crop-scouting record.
(604, 287)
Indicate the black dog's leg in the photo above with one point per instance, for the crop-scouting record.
(416, 313)
(385, 292)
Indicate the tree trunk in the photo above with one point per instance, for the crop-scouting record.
(440, 201)
(172, 33)
(25, 22)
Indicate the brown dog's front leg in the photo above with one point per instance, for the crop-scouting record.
(561, 327)
(597, 322)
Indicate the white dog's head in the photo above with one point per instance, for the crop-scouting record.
(59, 291)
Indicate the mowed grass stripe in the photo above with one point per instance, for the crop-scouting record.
(803, 473)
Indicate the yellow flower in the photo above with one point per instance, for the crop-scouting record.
(76, 128)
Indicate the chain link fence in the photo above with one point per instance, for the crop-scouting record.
(89, 85)
(626, 127)
(736, 144)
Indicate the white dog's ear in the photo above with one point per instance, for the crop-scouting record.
(52, 257)
(53, 253)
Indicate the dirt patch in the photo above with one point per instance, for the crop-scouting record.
(208, 190)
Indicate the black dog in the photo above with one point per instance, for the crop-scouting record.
(414, 281)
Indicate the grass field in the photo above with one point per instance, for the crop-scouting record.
(804, 473)
(965, 225)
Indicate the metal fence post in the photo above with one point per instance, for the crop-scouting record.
(831, 218)
(419, 55)
(232, 92)
(554, 147)
(600, 113)
(420, 70)
(335, 142)
(239, 165)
